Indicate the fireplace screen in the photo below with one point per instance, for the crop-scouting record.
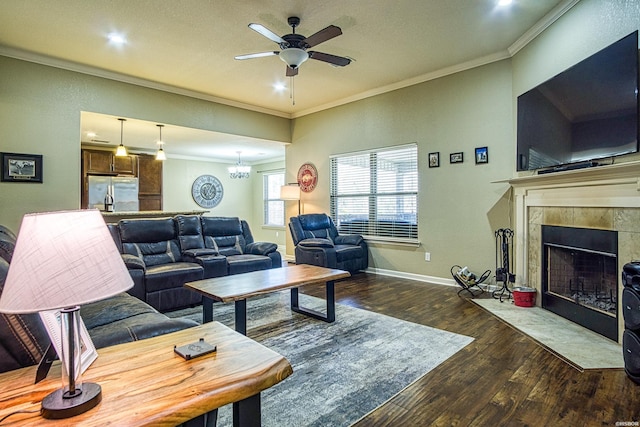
(588, 278)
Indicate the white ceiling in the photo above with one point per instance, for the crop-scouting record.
(189, 46)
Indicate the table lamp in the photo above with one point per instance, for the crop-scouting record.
(61, 261)
(291, 192)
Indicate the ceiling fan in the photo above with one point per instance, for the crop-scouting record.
(294, 46)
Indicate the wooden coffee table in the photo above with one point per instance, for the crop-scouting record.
(239, 287)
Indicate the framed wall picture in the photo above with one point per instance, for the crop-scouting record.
(456, 157)
(482, 155)
(434, 159)
(21, 167)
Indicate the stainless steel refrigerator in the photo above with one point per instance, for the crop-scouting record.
(124, 191)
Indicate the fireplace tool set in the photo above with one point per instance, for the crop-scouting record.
(504, 248)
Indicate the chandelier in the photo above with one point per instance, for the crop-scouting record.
(239, 170)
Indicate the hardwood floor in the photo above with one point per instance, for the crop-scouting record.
(503, 378)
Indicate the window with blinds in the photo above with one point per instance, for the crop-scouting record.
(375, 193)
(273, 206)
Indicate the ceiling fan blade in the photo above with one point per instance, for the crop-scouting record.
(261, 29)
(256, 55)
(340, 61)
(292, 72)
(321, 36)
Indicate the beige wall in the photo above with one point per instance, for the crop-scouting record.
(40, 114)
(459, 205)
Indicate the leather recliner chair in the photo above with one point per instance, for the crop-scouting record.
(318, 243)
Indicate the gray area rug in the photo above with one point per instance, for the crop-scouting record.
(342, 370)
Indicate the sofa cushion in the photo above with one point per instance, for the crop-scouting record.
(246, 263)
(224, 234)
(189, 232)
(23, 338)
(348, 252)
(122, 318)
(174, 275)
(154, 253)
(316, 243)
(148, 230)
(107, 311)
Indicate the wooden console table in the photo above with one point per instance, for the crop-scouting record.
(144, 383)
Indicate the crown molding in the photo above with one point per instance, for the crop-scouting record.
(541, 25)
(124, 78)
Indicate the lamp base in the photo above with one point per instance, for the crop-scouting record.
(55, 406)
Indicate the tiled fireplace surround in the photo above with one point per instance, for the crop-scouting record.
(604, 197)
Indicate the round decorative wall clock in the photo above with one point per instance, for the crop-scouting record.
(307, 177)
(207, 191)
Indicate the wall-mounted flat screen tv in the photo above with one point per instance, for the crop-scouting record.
(585, 113)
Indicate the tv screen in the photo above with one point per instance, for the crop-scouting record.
(585, 113)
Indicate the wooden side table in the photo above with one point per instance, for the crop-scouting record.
(144, 383)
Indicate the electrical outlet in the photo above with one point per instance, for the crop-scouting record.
(427, 256)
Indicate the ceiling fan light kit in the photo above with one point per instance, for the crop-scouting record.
(294, 57)
(293, 47)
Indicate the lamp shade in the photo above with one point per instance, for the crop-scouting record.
(290, 192)
(63, 259)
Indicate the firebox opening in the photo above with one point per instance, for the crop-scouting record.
(580, 280)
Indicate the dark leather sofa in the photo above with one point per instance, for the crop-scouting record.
(164, 253)
(119, 319)
(318, 242)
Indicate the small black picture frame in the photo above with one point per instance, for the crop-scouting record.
(482, 155)
(456, 157)
(434, 159)
(21, 167)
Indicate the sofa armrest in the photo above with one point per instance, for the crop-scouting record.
(315, 243)
(349, 239)
(260, 248)
(193, 253)
(213, 265)
(133, 262)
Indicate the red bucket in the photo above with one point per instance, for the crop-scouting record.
(524, 296)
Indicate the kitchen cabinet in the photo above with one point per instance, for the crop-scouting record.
(100, 162)
(150, 183)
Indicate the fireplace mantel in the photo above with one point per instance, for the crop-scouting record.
(597, 197)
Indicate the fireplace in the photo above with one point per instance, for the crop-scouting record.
(580, 278)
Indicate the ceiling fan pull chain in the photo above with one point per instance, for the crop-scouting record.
(292, 94)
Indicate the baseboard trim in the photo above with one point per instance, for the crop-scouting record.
(426, 279)
(413, 276)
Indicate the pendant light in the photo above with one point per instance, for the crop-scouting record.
(160, 154)
(121, 151)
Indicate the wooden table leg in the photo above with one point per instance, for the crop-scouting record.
(247, 413)
(241, 316)
(329, 317)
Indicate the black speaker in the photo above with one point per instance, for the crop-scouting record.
(631, 308)
(631, 354)
(631, 314)
(631, 275)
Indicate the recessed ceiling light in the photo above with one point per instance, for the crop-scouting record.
(279, 87)
(503, 3)
(117, 39)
